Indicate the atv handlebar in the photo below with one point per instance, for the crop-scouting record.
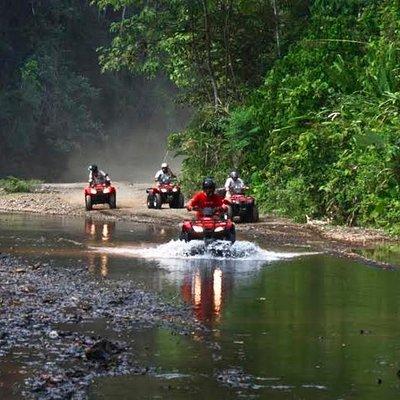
(206, 210)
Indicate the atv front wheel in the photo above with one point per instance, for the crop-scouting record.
(88, 202)
(112, 201)
(231, 235)
(184, 236)
(157, 201)
(150, 201)
(174, 202)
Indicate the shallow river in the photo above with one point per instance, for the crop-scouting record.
(286, 324)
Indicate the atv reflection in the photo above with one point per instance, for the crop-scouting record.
(206, 289)
(99, 230)
(98, 264)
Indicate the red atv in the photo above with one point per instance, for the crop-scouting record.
(243, 206)
(100, 193)
(210, 227)
(165, 192)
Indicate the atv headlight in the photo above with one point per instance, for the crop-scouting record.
(163, 190)
(219, 229)
(198, 229)
(93, 191)
(175, 189)
(106, 190)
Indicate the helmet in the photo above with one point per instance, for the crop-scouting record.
(234, 175)
(164, 165)
(93, 168)
(208, 183)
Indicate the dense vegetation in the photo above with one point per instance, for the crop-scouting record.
(302, 97)
(16, 185)
(54, 101)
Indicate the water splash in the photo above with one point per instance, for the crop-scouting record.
(196, 249)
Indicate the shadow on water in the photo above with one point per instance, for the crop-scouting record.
(310, 327)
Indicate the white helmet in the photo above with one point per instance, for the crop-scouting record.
(164, 165)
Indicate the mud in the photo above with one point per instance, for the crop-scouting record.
(38, 302)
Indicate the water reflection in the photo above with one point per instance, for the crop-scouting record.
(98, 264)
(99, 230)
(386, 253)
(206, 289)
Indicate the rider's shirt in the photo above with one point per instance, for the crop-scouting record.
(162, 176)
(232, 186)
(201, 200)
(98, 177)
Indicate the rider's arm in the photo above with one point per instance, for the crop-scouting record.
(193, 202)
(157, 175)
(228, 184)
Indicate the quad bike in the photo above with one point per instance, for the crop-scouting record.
(243, 206)
(100, 193)
(209, 227)
(165, 192)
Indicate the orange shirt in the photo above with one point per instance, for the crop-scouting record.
(201, 200)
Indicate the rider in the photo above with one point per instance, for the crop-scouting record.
(97, 176)
(206, 198)
(164, 174)
(234, 184)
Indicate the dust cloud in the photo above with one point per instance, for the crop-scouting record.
(135, 137)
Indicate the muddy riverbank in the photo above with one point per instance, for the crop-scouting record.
(41, 307)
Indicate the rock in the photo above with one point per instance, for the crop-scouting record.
(53, 335)
(102, 351)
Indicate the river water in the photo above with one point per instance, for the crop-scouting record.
(285, 323)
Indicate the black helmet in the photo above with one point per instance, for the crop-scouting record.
(208, 183)
(234, 175)
(93, 168)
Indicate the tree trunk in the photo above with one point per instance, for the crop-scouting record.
(277, 34)
(217, 101)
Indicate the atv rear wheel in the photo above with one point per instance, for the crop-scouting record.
(157, 201)
(112, 201)
(88, 202)
(150, 201)
(181, 201)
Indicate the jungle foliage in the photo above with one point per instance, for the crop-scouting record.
(302, 97)
(325, 122)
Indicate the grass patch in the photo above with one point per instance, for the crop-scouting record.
(16, 185)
